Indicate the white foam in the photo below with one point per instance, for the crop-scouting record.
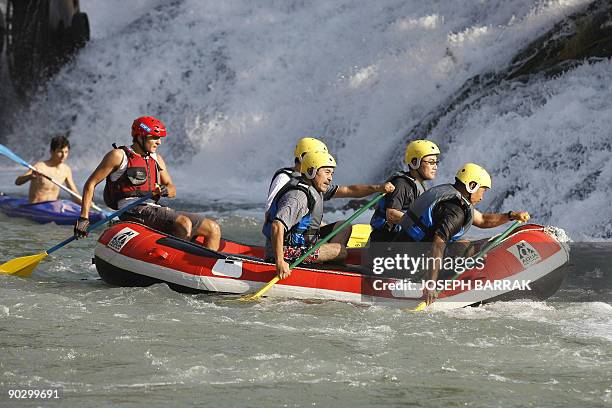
(548, 146)
(238, 82)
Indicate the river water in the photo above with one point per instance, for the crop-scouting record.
(63, 327)
(237, 83)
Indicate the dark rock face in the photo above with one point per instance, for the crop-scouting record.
(41, 35)
(587, 34)
(2, 32)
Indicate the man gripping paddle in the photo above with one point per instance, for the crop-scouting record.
(444, 213)
(293, 222)
(422, 157)
(41, 188)
(137, 171)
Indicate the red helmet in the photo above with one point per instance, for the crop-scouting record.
(148, 126)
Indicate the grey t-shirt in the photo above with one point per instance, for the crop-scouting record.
(291, 208)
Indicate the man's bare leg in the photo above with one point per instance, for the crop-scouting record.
(211, 231)
(182, 227)
(343, 236)
(332, 252)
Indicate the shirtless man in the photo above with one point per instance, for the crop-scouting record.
(41, 189)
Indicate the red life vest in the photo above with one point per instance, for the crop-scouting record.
(138, 180)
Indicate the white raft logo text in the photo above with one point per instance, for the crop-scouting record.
(121, 238)
(525, 253)
(405, 285)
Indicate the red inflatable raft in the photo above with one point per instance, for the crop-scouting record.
(130, 254)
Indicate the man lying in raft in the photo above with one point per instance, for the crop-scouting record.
(293, 222)
(135, 171)
(421, 157)
(41, 188)
(444, 213)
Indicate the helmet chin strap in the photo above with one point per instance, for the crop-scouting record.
(418, 170)
(141, 145)
(472, 190)
(415, 167)
(311, 173)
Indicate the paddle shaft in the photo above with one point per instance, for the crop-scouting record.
(492, 244)
(486, 249)
(63, 187)
(101, 222)
(11, 155)
(497, 240)
(337, 230)
(319, 243)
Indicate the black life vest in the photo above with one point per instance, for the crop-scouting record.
(379, 218)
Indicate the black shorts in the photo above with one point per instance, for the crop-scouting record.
(382, 235)
(327, 229)
(160, 218)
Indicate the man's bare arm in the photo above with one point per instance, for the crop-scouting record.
(363, 190)
(492, 220)
(394, 216)
(165, 178)
(437, 252)
(109, 163)
(27, 176)
(277, 238)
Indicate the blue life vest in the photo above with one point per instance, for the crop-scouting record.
(306, 231)
(418, 221)
(379, 218)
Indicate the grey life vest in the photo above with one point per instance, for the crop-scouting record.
(306, 231)
(285, 170)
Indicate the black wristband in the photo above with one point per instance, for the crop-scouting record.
(83, 219)
(509, 214)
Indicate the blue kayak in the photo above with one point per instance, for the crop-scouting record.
(61, 212)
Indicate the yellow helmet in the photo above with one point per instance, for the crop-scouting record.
(473, 173)
(418, 149)
(313, 161)
(308, 144)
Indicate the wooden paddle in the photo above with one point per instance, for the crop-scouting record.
(346, 223)
(492, 244)
(26, 264)
(11, 155)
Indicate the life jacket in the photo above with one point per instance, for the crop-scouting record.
(285, 170)
(289, 172)
(138, 180)
(379, 218)
(306, 231)
(418, 221)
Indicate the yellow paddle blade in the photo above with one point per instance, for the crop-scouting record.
(359, 236)
(260, 292)
(420, 307)
(22, 266)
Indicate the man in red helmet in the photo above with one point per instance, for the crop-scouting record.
(138, 170)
